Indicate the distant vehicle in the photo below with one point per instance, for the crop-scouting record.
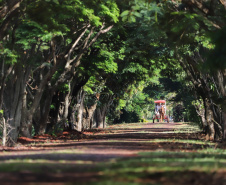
(160, 111)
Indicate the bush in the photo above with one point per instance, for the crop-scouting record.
(143, 120)
(127, 117)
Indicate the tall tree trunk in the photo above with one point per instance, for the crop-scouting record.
(224, 126)
(100, 117)
(201, 114)
(13, 101)
(80, 106)
(84, 118)
(224, 119)
(91, 111)
(72, 117)
(88, 115)
(4, 73)
(26, 125)
(221, 83)
(26, 120)
(3, 129)
(8, 11)
(4, 132)
(45, 113)
(210, 122)
(54, 114)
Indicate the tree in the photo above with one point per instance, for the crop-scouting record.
(189, 31)
(48, 52)
(70, 62)
(187, 40)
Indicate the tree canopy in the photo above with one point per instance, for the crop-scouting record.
(80, 63)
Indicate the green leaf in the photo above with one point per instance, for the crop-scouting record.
(137, 14)
(132, 19)
(125, 13)
(56, 1)
(1, 111)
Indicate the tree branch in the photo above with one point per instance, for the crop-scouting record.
(223, 2)
(9, 7)
(68, 55)
(199, 4)
(7, 13)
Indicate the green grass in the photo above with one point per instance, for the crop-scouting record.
(168, 161)
(173, 141)
(183, 128)
(166, 164)
(47, 166)
(207, 160)
(189, 141)
(159, 166)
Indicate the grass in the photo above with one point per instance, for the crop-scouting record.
(170, 161)
(208, 161)
(152, 167)
(48, 166)
(127, 125)
(165, 163)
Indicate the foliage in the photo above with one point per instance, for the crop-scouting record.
(127, 117)
(126, 53)
(216, 56)
(178, 113)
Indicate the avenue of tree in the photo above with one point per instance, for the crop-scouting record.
(81, 63)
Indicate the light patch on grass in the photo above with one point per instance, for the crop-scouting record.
(167, 162)
(214, 151)
(42, 152)
(48, 166)
(198, 142)
(45, 161)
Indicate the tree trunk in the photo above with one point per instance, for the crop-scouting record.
(26, 125)
(13, 101)
(200, 109)
(87, 120)
(45, 113)
(221, 83)
(100, 117)
(5, 72)
(8, 11)
(224, 124)
(91, 111)
(84, 118)
(4, 130)
(80, 106)
(210, 123)
(26, 120)
(201, 114)
(72, 117)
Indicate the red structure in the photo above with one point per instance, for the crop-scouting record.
(160, 111)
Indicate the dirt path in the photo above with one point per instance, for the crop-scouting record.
(105, 143)
(66, 159)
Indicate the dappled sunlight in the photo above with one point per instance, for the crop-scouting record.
(135, 154)
(113, 92)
